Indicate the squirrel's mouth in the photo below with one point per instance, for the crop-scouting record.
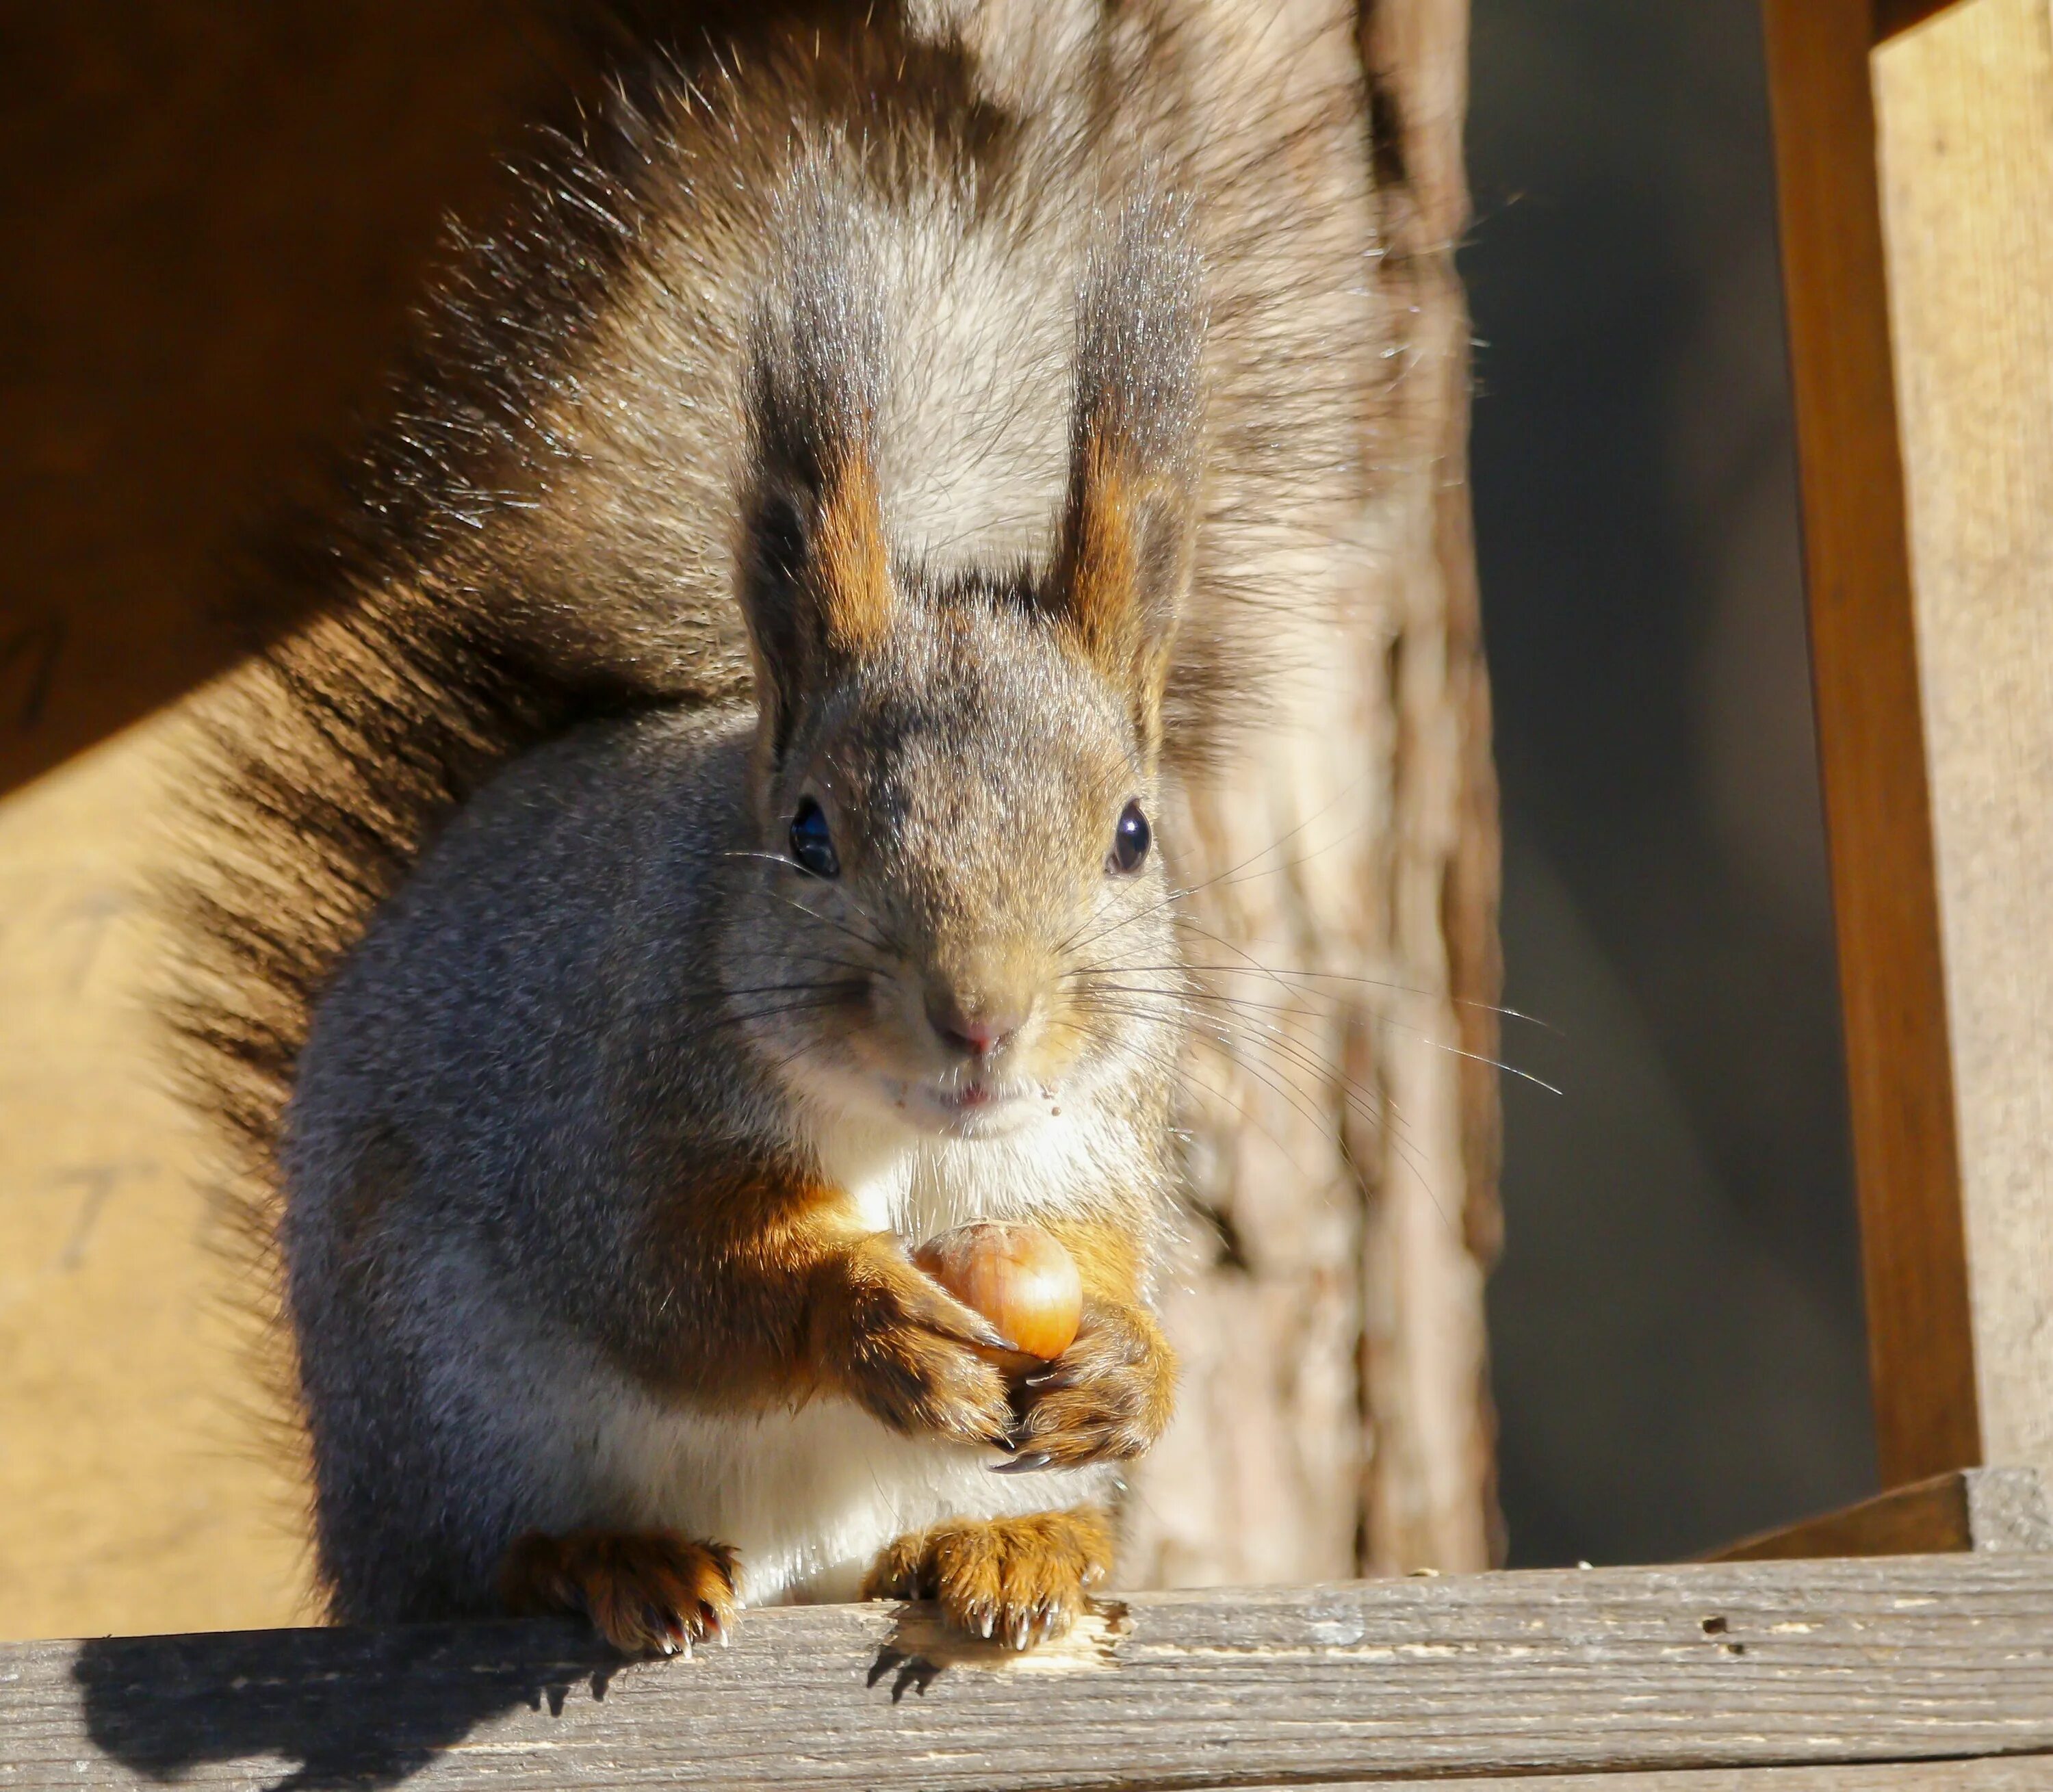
(976, 1106)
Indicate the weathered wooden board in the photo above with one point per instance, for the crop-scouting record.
(2018, 1774)
(1899, 1064)
(1968, 1509)
(1754, 1664)
(1964, 107)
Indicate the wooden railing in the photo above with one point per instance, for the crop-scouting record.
(1900, 1675)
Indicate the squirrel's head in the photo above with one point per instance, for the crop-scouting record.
(963, 912)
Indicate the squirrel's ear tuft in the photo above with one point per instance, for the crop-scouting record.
(816, 586)
(1129, 524)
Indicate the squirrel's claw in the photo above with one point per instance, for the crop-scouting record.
(1105, 1399)
(900, 1344)
(1027, 1463)
(651, 1592)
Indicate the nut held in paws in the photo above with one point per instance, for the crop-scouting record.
(1020, 1277)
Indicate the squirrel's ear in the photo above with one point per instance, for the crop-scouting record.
(1129, 524)
(816, 587)
(816, 582)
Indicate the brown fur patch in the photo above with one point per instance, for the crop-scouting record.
(852, 564)
(1100, 571)
(1119, 579)
(1108, 1253)
(1019, 1580)
(770, 1274)
(646, 1593)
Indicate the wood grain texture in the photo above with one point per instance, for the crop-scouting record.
(2018, 1774)
(1964, 108)
(1966, 1509)
(1899, 1063)
(1760, 1664)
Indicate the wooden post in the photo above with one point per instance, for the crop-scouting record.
(1899, 1068)
(1917, 179)
(1964, 116)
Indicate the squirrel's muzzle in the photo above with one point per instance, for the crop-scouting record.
(977, 1027)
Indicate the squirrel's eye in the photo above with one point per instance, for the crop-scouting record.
(1129, 839)
(812, 845)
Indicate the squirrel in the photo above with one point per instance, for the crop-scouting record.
(711, 838)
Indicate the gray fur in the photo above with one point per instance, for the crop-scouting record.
(481, 979)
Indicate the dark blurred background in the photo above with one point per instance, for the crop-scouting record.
(1676, 1325)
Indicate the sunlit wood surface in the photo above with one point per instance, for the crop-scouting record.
(136, 1495)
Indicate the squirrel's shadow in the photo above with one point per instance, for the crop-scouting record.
(162, 1705)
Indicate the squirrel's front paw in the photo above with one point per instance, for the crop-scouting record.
(647, 1592)
(1017, 1580)
(894, 1341)
(1106, 1398)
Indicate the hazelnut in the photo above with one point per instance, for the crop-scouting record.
(1020, 1278)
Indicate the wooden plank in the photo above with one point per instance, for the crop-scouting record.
(1964, 107)
(1899, 1066)
(2030, 1773)
(1967, 1509)
(1751, 1664)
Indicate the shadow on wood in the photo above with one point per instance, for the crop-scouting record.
(164, 1707)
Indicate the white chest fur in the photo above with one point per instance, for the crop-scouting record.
(808, 1497)
(916, 1185)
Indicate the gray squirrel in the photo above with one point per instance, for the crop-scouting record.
(714, 837)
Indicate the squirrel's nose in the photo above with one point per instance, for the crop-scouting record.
(976, 1030)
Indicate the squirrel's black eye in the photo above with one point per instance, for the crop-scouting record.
(812, 845)
(1129, 839)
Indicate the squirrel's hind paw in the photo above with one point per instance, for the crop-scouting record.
(646, 1593)
(1015, 1581)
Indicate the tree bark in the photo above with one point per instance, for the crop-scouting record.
(1335, 1417)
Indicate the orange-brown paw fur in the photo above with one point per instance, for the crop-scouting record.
(646, 1593)
(1016, 1580)
(1106, 1398)
(894, 1341)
